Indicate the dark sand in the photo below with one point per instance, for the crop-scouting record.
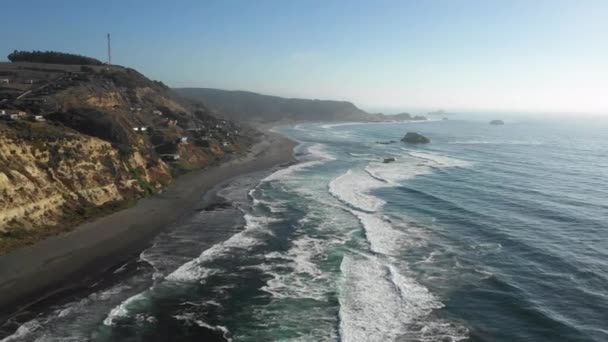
(54, 265)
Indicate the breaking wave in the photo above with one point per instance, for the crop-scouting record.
(377, 303)
(195, 270)
(393, 173)
(317, 151)
(439, 160)
(354, 189)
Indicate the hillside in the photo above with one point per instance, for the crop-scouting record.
(257, 108)
(80, 141)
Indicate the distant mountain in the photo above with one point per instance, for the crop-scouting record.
(257, 108)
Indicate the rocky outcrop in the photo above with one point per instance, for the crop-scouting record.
(497, 122)
(415, 138)
(388, 160)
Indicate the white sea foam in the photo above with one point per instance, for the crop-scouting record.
(360, 154)
(320, 155)
(304, 250)
(439, 160)
(353, 188)
(152, 261)
(195, 270)
(302, 279)
(320, 152)
(393, 173)
(382, 237)
(122, 310)
(190, 318)
(289, 171)
(23, 331)
(496, 142)
(339, 124)
(378, 303)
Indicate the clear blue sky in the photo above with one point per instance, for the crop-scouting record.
(533, 55)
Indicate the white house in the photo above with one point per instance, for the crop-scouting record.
(39, 118)
(170, 157)
(5, 81)
(157, 112)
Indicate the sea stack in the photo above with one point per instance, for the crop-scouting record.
(497, 122)
(415, 138)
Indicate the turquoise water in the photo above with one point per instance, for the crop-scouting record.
(489, 233)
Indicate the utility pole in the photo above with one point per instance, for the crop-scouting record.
(109, 51)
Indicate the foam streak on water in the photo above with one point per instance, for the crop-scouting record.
(354, 189)
(196, 270)
(377, 303)
(319, 156)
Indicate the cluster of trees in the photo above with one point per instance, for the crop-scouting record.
(51, 57)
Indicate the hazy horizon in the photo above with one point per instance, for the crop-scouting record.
(516, 56)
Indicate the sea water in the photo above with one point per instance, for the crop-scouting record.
(488, 233)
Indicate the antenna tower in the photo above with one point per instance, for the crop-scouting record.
(109, 51)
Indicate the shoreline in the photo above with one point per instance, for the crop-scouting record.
(53, 266)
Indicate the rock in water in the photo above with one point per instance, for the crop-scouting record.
(497, 122)
(388, 160)
(415, 138)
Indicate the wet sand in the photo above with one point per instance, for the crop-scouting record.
(34, 273)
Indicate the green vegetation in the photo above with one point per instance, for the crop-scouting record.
(141, 180)
(96, 124)
(51, 57)
(88, 212)
(179, 169)
(17, 236)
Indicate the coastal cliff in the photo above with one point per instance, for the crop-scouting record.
(89, 140)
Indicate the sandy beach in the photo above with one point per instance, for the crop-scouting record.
(54, 265)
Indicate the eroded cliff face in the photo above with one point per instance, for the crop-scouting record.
(108, 137)
(45, 180)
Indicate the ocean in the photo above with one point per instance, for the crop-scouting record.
(488, 233)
